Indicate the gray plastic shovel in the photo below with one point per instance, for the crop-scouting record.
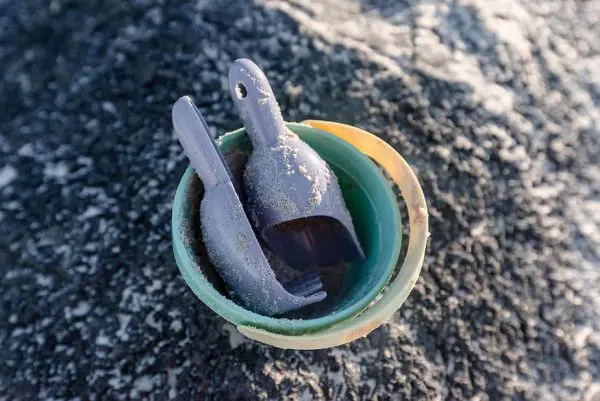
(294, 199)
(230, 241)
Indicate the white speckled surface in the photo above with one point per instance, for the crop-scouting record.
(494, 104)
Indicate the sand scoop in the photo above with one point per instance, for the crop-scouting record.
(293, 196)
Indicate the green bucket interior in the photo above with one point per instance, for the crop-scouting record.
(376, 217)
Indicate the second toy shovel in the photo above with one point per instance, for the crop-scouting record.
(230, 241)
(294, 198)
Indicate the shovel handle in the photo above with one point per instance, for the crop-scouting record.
(198, 144)
(256, 103)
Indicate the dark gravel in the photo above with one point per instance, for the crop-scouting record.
(495, 105)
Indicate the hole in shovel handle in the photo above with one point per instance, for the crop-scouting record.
(240, 90)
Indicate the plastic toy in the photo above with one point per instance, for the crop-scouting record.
(230, 241)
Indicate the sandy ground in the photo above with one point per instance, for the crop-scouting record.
(494, 104)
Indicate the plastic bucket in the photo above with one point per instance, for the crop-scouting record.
(375, 213)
